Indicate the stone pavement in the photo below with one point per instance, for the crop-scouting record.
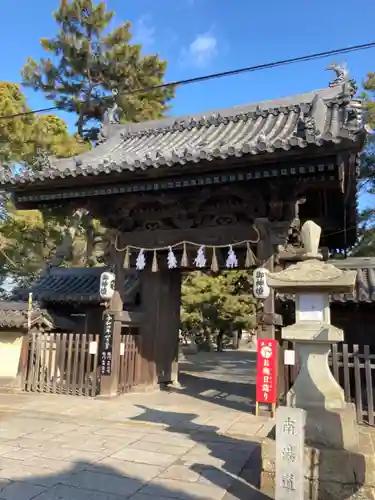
(199, 442)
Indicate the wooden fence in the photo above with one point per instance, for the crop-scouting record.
(62, 364)
(354, 371)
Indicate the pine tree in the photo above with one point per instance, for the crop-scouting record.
(366, 218)
(87, 63)
(222, 302)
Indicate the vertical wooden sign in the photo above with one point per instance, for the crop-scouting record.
(107, 345)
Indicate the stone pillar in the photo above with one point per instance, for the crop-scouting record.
(330, 421)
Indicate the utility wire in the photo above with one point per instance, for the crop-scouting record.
(212, 76)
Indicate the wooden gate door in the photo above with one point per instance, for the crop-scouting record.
(130, 359)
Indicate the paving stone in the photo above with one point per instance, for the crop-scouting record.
(62, 428)
(9, 462)
(31, 444)
(72, 454)
(20, 491)
(217, 458)
(210, 462)
(63, 466)
(33, 475)
(45, 435)
(4, 483)
(21, 454)
(124, 434)
(216, 477)
(11, 433)
(8, 450)
(142, 496)
(172, 440)
(145, 457)
(142, 472)
(182, 490)
(104, 483)
(165, 449)
(65, 492)
(180, 473)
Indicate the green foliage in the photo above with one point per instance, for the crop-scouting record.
(366, 242)
(220, 302)
(29, 238)
(87, 62)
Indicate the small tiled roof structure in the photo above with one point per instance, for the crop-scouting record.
(364, 291)
(76, 285)
(328, 117)
(14, 316)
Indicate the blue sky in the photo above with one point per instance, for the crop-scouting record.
(204, 36)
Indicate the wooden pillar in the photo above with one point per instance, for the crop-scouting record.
(168, 329)
(265, 255)
(109, 383)
(161, 293)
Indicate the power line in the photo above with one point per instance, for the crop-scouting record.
(212, 76)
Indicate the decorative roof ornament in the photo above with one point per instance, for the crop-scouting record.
(113, 112)
(110, 117)
(342, 78)
(342, 74)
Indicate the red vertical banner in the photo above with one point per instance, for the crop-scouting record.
(266, 377)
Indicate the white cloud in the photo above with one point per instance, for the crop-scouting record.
(144, 31)
(201, 51)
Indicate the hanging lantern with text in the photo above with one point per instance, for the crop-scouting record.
(260, 288)
(107, 285)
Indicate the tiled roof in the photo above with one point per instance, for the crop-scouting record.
(365, 283)
(14, 315)
(76, 285)
(327, 116)
(364, 291)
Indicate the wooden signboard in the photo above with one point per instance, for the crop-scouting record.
(266, 373)
(107, 344)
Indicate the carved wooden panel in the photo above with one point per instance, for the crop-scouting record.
(194, 208)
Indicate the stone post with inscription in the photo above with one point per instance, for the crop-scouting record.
(290, 444)
(330, 421)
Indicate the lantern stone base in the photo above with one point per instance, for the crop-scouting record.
(328, 474)
(330, 420)
(335, 429)
(315, 386)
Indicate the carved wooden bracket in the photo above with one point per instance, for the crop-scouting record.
(270, 319)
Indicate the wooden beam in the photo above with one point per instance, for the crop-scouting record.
(133, 318)
(219, 235)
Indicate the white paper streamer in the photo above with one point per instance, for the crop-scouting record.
(200, 259)
(171, 259)
(231, 261)
(140, 263)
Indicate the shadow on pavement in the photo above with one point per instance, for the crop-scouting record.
(234, 464)
(226, 378)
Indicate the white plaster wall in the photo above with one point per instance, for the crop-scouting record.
(10, 352)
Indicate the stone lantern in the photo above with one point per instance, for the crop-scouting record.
(330, 420)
